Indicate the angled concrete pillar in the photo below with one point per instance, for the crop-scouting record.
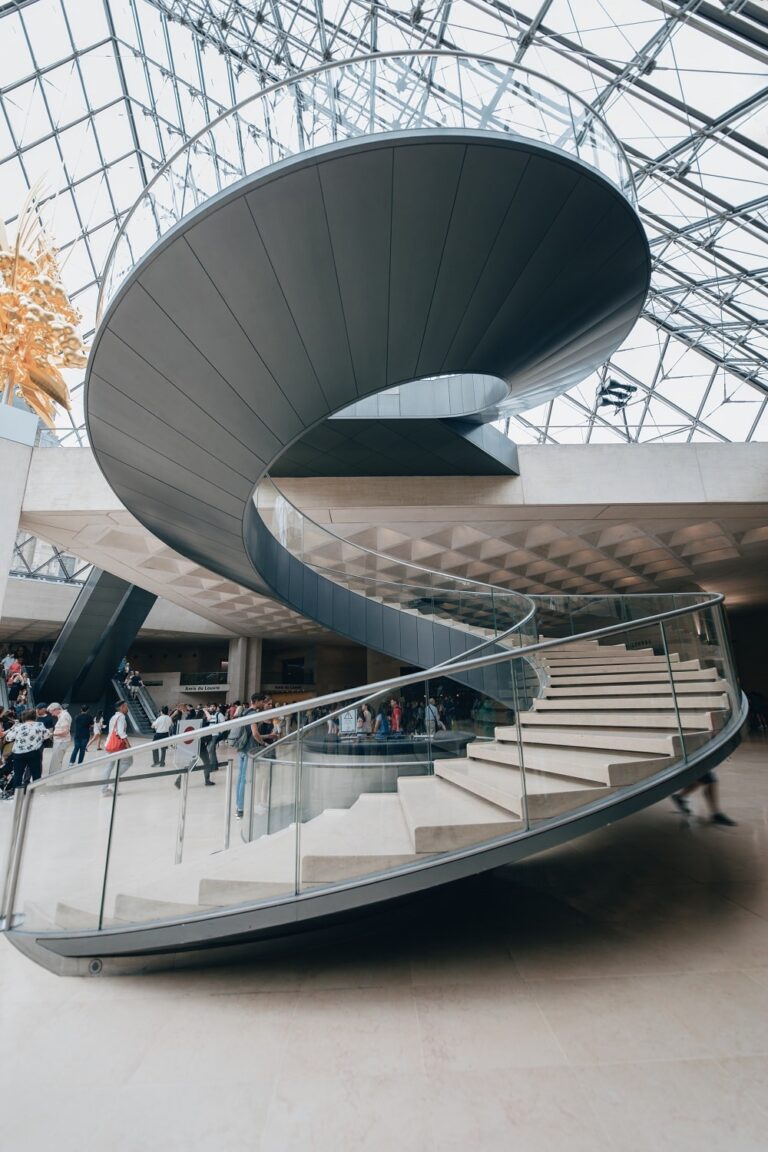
(17, 437)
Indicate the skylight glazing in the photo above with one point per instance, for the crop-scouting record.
(96, 94)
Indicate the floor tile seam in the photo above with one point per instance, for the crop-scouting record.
(662, 1061)
(549, 1027)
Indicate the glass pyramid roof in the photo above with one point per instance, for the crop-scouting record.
(95, 94)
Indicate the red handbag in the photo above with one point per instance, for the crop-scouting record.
(115, 743)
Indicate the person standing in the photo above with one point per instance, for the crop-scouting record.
(432, 717)
(118, 728)
(61, 736)
(161, 725)
(81, 731)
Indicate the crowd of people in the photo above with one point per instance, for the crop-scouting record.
(17, 683)
(52, 731)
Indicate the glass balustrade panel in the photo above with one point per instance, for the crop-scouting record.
(394, 797)
(60, 883)
(178, 846)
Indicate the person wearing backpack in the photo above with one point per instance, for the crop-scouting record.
(245, 743)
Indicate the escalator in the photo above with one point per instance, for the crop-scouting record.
(142, 709)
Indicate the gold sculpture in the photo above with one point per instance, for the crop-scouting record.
(38, 323)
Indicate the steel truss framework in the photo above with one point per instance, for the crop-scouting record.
(97, 93)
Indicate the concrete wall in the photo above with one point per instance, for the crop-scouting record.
(17, 433)
(331, 666)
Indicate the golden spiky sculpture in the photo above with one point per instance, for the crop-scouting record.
(38, 323)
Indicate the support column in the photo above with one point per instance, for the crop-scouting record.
(17, 437)
(253, 679)
(237, 667)
(244, 666)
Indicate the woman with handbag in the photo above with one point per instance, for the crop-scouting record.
(117, 741)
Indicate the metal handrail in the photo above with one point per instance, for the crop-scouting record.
(329, 66)
(378, 687)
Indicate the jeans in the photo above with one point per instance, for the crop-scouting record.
(78, 749)
(242, 774)
(121, 765)
(158, 754)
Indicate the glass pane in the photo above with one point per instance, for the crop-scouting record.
(67, 837)
(174, 852)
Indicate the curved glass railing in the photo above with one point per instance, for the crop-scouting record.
(626, 708)
(363, 96)
(484, 610)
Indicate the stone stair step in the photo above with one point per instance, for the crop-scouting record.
(604, 766)
(641, 676)
(139, 909)
(688, 688)
(503, 786)
(221, 893)
(442, 818)
(553, 659)
(635, 702)
(629, 719)
(47, 918)
(373, 837)
(616, 740)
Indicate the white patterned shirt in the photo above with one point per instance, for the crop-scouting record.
(27, 736)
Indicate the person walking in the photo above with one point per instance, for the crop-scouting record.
(61, 736)
(81, 731)
(708, 782)
(117, 741)
(161, 725)
(96, 730)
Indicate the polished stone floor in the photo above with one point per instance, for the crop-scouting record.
(610, 995)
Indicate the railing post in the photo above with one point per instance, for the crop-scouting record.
(729, 664)
(107, 854)
(250, 789)
(180, 828)
(297, 801)
(514, 665)
(227, 803)
(673, 690)
(18, 798)
(20, 817)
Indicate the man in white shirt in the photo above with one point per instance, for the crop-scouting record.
(119, 726)
(61, 736)
(162, 725)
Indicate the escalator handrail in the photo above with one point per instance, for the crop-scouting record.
(147, 702)
(125, 697)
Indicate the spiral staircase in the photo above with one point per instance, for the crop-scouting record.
(367, 297)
